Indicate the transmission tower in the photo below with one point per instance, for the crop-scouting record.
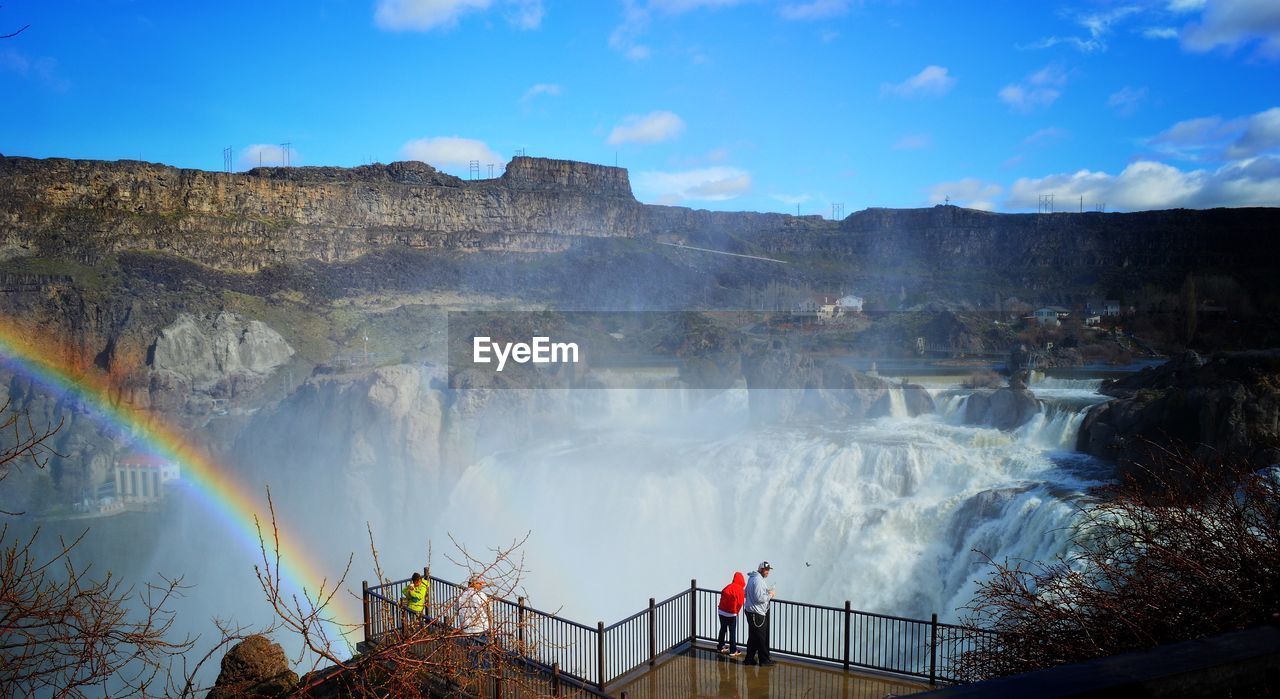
(1046, 204)
(285, 147)
(226, 159)
(475, 169)
(837, 211)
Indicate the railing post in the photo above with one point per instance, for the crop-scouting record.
(520, 626)
(364, 595)
(848, 627)
(693, 613)
(426, 601)
(653, 633)
(933, 650)
(555, 679)
(600, 655)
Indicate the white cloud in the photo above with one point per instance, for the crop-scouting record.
(653, 127)
(932, 81)
(1098, 25)
(969, 192)
(1261, 133)
(266, 155)
(1160, 33)
(1180, 6)
(42, 69)
(1127, 99)
(914, 141)
(814, 9)
(1045, 135)
(1040, 89)
(450, 151)
(1152, 185)
(1214, 138)
(636, 15)
(548, 89)
(525, 14)
(676, 7)
(791, 199)
(426, 15)
(706, 184)
(1234, 23)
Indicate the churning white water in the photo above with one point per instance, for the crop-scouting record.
(653, 488)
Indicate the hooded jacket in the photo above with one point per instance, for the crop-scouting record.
(733, 596)
(757, 594)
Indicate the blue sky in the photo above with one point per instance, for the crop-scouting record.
(759, 105)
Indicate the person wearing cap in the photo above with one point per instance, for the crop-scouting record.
(758, 596)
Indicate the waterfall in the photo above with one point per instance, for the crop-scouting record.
(884, 513)
(898, 403)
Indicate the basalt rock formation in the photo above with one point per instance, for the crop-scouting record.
(1226, 405)
(244, 222)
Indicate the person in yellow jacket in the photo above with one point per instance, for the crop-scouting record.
(414, 597)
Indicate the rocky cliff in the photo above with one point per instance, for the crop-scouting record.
(247, 221)
(269, 216)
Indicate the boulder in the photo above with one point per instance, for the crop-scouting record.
(254, 667)
(1005, 408)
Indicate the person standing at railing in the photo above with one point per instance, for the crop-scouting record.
(758, 596)
(414, 597)
(732, 597)
(473, 616)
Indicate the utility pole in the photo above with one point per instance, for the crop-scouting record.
(284, 153)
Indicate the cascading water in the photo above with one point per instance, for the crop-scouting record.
(887, 513)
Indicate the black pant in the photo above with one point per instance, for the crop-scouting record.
(728, 625)
(757, 637)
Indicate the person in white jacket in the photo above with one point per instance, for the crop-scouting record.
(471, 610)
(473, 616)
(758, 596)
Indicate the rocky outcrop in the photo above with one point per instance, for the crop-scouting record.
(1005, 408)
(1226, 405)
(197, 360)
(254, 667)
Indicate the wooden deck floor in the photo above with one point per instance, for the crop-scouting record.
(703, 674)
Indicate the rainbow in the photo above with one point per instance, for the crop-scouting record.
(37, 358)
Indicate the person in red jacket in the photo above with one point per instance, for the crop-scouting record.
(731, 599)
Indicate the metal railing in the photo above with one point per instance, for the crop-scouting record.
(591, 659)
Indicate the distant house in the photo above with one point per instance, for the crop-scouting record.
(1111, 307)
(849, 304)
(1047, 316)
(1093, 321)
(139, 477)
(823, 306)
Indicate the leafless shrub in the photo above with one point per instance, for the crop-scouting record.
(1196, 555)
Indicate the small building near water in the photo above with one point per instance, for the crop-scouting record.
(140, 478)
